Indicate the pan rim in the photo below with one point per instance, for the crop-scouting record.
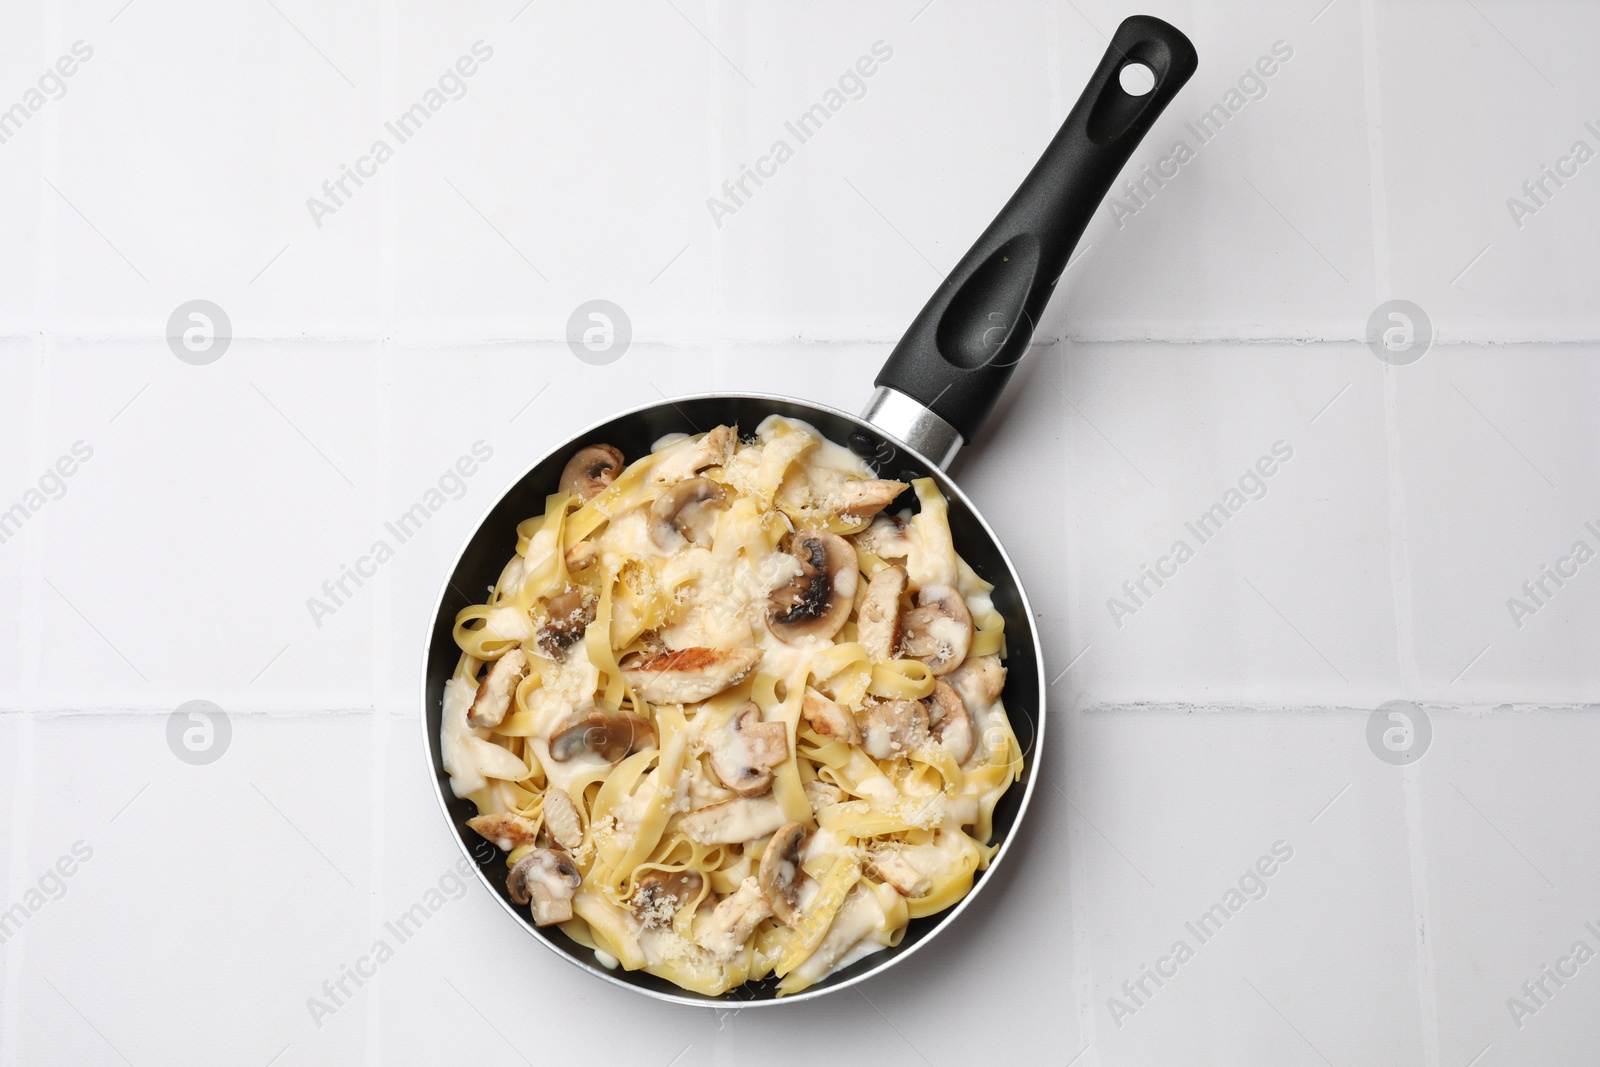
(949, 485)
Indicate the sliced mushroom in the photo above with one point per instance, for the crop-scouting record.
(588, 473)
(687, 460)
(505, 829)
(893, 869)
(659, 895)
(561, 818)
(938, 631)
(818, 600)
(979, 681)
(684, 513)
(733, 821)
(878, 619)
(611, 736)
(780, 872)
(548, 878)
(734, 919)
(688, 675)
(499, 685)
(949, 722)
(571, 611)
(892, 728)
(886, 538)
(582, 555)
(859, 498)
(746, 750)
(829, 719)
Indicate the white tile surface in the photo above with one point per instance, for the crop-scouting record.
(1225, 712)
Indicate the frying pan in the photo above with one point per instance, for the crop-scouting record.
(933, 393)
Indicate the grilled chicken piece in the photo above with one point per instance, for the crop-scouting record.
(878, 619)
(561, 818)
(734, 821)
(829, 719)
(686, 460)
(894, 869)
(688, 675)
(732, 921)
(979, 680)
(489, 707)
(505, 829)
(860, 498)
(823, 794)
(886, 538)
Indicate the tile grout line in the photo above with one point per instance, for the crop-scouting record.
(381, 477)
(1399, 558)
(17, 946)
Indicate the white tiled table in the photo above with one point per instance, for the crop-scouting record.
(1227, 714)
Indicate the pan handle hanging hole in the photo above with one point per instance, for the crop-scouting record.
(1136, 79)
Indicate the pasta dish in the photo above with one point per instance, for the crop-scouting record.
(731, 716)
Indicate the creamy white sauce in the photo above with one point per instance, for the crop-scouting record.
(454, 732)
(859, 916)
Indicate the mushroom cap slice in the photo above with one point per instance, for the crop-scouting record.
(818, 600)
(878, 618)
(571, 611)
(688, 675)
(892, 728)
(561, 818)
(499, 685)
(659, 895)
(828, 718)
(780, 872)
(609, 735)
(746, 750)
(547, 877)
(938, 631)
(950, 724)
(590, 471)
(682, 513)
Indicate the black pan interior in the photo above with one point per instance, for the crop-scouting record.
(495, 542)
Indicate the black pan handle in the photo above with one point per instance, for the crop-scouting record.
(959, 352)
